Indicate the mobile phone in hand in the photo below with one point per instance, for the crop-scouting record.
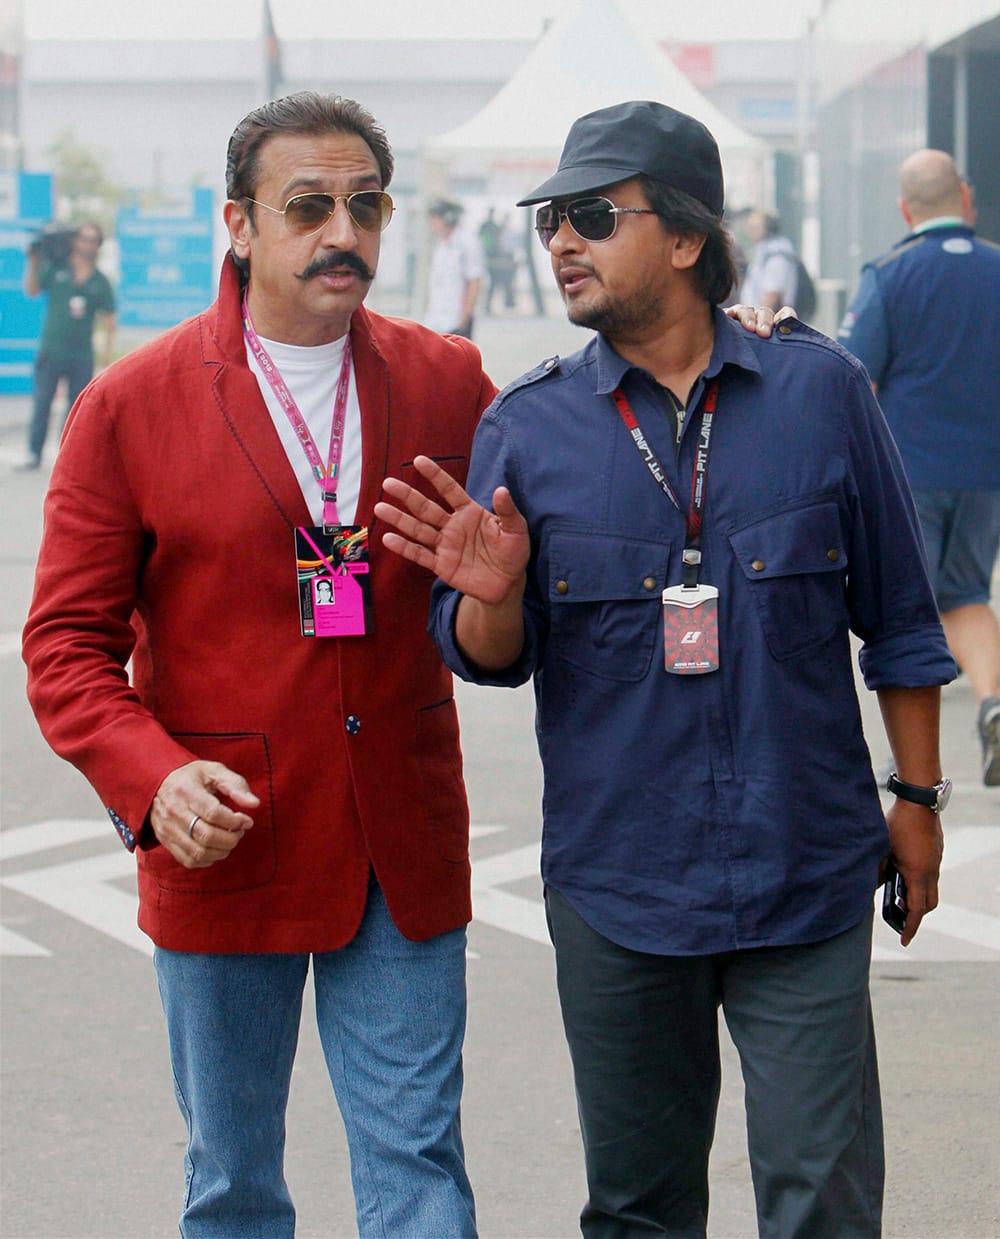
(894, 898)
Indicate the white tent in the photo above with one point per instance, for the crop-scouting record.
(590, 58)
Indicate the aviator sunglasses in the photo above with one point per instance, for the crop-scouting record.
(592, 219)
(371, 210)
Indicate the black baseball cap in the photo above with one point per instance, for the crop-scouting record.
(613, 144)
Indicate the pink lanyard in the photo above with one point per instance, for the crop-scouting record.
(325, 474)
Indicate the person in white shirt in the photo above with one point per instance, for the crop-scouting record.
(456, 274)
(772, 274)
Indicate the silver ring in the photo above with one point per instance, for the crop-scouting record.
(196, 818)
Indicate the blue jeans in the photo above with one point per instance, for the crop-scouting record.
(391, 1017)
(77, 371)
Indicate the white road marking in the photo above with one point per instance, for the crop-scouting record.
(81, 889)
(84, 891)
(16, 944)
(503, 909)
(46, 836)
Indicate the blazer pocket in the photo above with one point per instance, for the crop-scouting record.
(604, 602)
(439, 760)
(795, 563)
(254, 860)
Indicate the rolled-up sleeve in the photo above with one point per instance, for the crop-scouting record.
(890, 597)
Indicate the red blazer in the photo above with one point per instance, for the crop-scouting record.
(169, 540)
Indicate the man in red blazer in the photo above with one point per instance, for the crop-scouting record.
(291, 783)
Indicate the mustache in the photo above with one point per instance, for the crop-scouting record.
(337, 260)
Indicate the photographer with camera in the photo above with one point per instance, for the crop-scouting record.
(63, 264)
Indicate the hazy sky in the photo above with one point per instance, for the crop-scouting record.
(686, 20)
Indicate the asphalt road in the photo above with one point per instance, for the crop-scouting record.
(92, 1139)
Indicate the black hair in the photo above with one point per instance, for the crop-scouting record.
(93, 224)
(716, 266)
(307, 112)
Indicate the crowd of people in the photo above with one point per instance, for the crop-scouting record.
(684, 610)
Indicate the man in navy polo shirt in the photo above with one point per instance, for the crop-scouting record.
(926, 323)
(674, 532)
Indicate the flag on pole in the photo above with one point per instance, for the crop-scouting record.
(273, 76)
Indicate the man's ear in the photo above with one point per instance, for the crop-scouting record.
(240, 227)
(687, 249)
(905, 211)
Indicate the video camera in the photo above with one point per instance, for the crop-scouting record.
(53, 244)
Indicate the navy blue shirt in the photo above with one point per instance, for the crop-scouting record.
(926, 323)
(696, 814)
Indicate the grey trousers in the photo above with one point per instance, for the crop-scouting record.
(643, 1034)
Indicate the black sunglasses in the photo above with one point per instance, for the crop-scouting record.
(592, 219)
(371, 210)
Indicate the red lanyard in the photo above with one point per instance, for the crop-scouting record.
(325, 474)
(699, 473)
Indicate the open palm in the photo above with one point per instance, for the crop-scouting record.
(481, 554)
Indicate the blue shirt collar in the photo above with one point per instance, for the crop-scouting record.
(731, 347)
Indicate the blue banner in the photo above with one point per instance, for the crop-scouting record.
(166, 270)
(25, 205)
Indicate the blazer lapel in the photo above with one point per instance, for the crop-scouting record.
(374, 395)
(242, 406)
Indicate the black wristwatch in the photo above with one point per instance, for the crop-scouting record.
(934, 798)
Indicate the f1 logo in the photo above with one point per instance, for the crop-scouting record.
(692, 637)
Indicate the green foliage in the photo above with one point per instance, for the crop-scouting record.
(83, 189)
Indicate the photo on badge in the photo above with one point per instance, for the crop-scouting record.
(334, 582)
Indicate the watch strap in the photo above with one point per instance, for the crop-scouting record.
(914, 792)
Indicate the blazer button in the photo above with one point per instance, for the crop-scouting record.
(758, 565)
(649, 582)
(833, 555)
(353, 724)
(562, 587)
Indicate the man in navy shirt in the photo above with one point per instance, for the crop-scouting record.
(674, 532)
(926, 323)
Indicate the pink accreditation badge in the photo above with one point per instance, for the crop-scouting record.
(334, 580)
(691, 629)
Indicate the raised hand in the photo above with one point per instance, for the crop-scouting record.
(481, 554)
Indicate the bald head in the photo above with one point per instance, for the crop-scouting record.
(930, 186)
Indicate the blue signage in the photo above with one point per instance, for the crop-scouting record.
(25, 205)
(165, 260)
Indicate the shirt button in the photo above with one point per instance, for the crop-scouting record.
(833, 554)
(353, 724)
(649, 582)
(758, 565)
(562, 587)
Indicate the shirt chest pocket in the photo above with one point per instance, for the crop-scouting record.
(795, 562)
(604, 602)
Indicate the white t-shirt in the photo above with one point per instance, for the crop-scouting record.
(311, 374)
(456, 260)
(772, 268)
